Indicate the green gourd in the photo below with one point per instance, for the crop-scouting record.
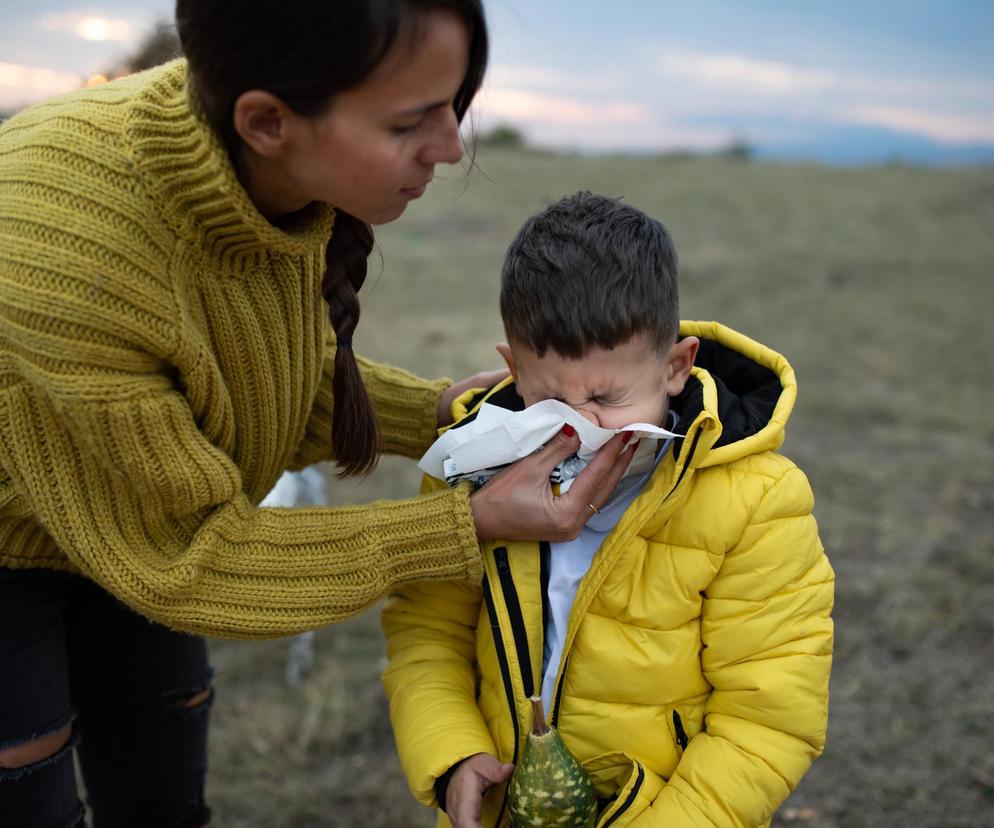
(549, 789)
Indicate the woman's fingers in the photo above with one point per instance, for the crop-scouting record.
(594, 485)
(518, 503)
(484, 379)
(555, 451)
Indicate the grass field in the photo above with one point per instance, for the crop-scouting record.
(877, 284)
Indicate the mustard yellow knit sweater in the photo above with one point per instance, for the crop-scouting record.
(164, 356)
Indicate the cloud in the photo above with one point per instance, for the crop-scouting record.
(947, 110)
(944, 127)
(530, 76)
(87, 26)
(20, 85)
(558, 80)
(504, 102)
(743, 72)
(571, 122)
(732, 73)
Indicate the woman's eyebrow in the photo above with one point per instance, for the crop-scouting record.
(422, 110)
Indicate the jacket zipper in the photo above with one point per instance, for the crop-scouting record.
(520, 635)
(544, 565)
(634, 792)
(505, 671)
(686, 463)
(554, 718)
(681, 734)
(517, 619)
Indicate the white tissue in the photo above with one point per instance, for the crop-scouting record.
(498, 436)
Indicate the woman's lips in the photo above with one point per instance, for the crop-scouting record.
(416, 192)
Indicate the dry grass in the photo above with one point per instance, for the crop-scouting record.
(877, 284)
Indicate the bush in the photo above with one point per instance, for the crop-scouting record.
(503, 136)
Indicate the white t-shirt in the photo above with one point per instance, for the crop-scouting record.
(570, 561)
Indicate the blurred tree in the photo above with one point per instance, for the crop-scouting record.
(738, 150)
(503, 136)
(161, 44)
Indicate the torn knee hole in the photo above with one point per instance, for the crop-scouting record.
(35, 750)
(197, 699)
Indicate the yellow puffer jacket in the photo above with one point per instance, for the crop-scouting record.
(694, 679)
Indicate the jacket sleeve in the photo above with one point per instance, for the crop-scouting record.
(767, 633)
(406, 409)
(430, 679)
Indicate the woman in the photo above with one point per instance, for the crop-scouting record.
(165, 355)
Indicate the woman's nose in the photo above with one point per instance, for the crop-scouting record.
(445, 144)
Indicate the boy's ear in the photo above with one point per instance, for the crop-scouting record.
(264, 122)
(505, 351)
(679, 361)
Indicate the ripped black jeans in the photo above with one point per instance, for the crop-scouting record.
(70, 654)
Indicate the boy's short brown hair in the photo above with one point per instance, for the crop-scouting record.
(589, 271)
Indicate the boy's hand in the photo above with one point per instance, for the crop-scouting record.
(518, 503)
(485, 379)
(472, 779)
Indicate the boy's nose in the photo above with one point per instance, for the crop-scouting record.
(590, 416)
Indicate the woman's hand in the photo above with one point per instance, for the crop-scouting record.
(518, 503)
(471, 780)
(485, 379)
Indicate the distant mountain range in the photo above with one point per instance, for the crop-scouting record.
(860, 145)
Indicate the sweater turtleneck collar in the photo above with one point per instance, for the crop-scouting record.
(186, 170)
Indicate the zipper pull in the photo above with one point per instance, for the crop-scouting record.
(500, 556)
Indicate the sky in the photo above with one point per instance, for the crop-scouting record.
(847, 81)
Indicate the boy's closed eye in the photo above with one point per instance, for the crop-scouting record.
(596, 399)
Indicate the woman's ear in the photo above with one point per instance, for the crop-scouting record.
(505, 351)
(263, 122)
(679, 361)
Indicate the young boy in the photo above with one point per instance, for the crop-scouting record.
(682, 643)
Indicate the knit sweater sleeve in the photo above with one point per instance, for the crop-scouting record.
(150, 510)
(406, 409)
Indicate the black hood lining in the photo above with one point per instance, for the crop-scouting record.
(747, 393)
(507, 397)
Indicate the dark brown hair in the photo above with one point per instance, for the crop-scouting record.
(305, 52)
(589, 271)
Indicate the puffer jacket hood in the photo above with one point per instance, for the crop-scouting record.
(749, 389)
